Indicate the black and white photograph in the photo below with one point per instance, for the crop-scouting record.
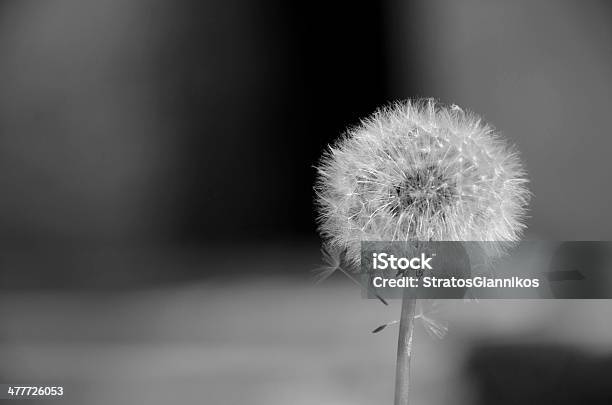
(228, 202)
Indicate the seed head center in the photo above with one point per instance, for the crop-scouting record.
(425, 190)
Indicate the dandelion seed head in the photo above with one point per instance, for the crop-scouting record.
(418, 170)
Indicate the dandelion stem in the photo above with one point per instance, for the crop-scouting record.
(404, 349)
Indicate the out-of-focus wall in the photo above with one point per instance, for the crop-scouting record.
(81, 149)
(129, 129)
(540, 72)
(184, 121)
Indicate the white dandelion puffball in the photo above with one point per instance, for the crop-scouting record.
(420, 171)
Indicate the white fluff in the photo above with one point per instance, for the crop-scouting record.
(420, 171)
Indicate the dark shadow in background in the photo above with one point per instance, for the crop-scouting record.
(261, 89)
(190, 126)
(538, 374)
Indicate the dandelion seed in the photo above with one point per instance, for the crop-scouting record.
(428, 315)
(331, 263)
(432, 326)
(332, 259)
(382, 327)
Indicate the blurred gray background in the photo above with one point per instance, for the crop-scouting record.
(157, 224)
